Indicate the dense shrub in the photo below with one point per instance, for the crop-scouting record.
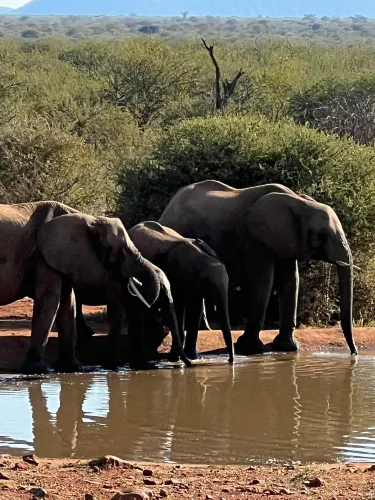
(346, 109)
(40, 162)
(249, 151)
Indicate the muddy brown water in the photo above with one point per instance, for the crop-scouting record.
(273, 408)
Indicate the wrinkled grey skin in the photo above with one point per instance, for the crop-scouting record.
(194, 272)
(260, 233)
(47, 245)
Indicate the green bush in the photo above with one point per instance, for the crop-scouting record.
(41, 162)
(248, 151)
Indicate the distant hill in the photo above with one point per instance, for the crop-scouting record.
(5, 10)
(240, 8)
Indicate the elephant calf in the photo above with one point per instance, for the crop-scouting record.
(194, 272)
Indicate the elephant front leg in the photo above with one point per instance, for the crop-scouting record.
(47, 290)
(258, 288)
(115, 316)
(66, 328)
(84, 332)
(287, 287)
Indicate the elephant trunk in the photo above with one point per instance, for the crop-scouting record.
(345, 275)
(177, 350)
(221, 303)
(144, 281)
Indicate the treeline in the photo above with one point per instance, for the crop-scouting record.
(311, 29)
(117, 127)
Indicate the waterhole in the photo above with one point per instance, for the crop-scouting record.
(272, 408)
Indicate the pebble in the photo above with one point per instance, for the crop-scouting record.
(4, 477)
(147, 472)
(38, 492)
(19, 466)
(163, 494)
(133, 494)
(149, 482)
(254, 481)
(314, 483)
(209, 497)
(109, 461)
(88, 496)
(30, 459)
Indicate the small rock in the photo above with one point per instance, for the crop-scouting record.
(19, 466)
(38, 492)
(109, 461)
(251, 467)
(147, 472)
(370, 469)
(133, 494)
(254, 481)
(107, 486)
(4, 477)
(163, 494)
(225, 490)
(314, 483)
(270, 492)
(88, 496)
(209, 497)
(284, 491)
(30, 459)
(149, 482)
(290, 467)
(95, 468)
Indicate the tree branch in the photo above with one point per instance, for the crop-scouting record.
(210, 50)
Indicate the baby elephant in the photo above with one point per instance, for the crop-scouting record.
(194, 272)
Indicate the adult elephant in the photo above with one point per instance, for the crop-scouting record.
(260, 233)
(45, 245)
(194, 272)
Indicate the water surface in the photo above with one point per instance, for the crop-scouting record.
(272, 408)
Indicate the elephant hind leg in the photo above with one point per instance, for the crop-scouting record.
(66, 327)
(47, 292)
(258, 288)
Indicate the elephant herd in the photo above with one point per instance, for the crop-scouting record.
(159, 273)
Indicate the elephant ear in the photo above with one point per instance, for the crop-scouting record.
(280, 222)
(73, 245)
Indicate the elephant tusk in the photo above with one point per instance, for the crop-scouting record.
(135, 292)
(342, 264)
(137, 282)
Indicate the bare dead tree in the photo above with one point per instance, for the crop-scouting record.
(224, 89)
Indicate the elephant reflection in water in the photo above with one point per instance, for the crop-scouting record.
(59, 439)
(286, 407)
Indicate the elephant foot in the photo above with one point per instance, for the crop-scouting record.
(191, 353)
(248, 345)
(68, 366)
(284, 344)
(35, 368)
(173, 357)
(142, 364)
(109, 364)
